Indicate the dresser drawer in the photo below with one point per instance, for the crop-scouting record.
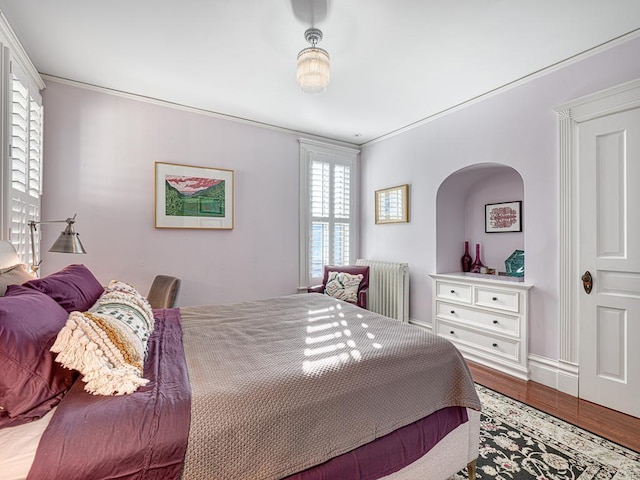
(501, 323)
(453, 291)
(478, 340)
(495, 298)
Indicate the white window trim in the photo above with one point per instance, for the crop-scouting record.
(13, 59)
(9, 38)
(350, 155)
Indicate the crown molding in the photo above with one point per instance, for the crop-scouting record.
(515, 83)
(186, 108)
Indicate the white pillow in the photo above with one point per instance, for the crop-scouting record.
(14, 275)
(343, 286)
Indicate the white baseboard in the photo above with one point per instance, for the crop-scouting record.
(568, 378)
(420, 323)
(562, 376)
(543, 370)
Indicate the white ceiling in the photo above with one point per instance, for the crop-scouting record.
(393, 62)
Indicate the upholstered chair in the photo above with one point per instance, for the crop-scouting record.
(163, 291)
(363, 288)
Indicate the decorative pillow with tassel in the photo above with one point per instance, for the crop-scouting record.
(108, 344)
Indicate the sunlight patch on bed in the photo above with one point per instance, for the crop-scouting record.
(309, 352)
(333, 342)
(323, 317)
(321, 310)
(317, 366)
(323, 338)
(321, 327)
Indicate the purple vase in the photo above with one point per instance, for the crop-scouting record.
(477, 263)
(466, 259)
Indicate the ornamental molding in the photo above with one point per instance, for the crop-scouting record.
(612, 100)
(10, 38)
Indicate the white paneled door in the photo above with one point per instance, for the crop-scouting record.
(609, 242)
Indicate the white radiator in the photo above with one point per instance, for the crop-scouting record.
(388, 288)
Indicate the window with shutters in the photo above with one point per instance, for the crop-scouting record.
(21, 119)
(25, 158)
(328, 223)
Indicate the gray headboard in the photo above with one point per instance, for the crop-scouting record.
(8, 255)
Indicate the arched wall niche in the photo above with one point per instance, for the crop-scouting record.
(460, 205)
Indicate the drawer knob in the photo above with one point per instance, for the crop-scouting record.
(495, 299)
(453, 291)
(453, 312)
(495, 344)
(452, 332)
(495, 322)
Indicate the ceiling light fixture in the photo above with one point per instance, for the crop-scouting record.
(313, 64)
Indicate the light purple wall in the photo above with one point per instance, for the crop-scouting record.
(100, 151)
(517, 128)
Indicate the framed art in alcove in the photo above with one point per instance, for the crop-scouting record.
(193, 197)
(503, 217)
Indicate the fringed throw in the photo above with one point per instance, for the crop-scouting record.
(108, 344)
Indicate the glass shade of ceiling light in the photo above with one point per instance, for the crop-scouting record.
(313, 64)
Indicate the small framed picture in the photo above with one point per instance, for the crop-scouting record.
(392, 205)
(503, 217)
(193, 197)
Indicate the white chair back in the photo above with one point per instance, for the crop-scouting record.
(8, 255)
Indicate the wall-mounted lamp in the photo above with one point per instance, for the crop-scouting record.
(67, 242)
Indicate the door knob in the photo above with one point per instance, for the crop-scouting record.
(587, 281)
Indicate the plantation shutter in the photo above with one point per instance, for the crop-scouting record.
(320, 215)
(25, 158)
(342, 214)
(328, 208)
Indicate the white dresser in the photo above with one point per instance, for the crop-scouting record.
(485, 318)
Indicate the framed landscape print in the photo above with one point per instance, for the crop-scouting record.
(503, 217)
(392, 205)
(193, 197)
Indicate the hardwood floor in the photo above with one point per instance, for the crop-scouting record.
(615, 426)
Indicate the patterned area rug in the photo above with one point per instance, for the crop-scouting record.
(519, 442)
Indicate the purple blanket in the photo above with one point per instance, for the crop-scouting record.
(138, 436)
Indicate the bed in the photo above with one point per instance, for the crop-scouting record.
(299, 387)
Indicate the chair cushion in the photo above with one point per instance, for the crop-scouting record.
(163, 291)
(343, 286)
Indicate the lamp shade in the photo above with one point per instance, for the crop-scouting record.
(313, 70)
(68, 242)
